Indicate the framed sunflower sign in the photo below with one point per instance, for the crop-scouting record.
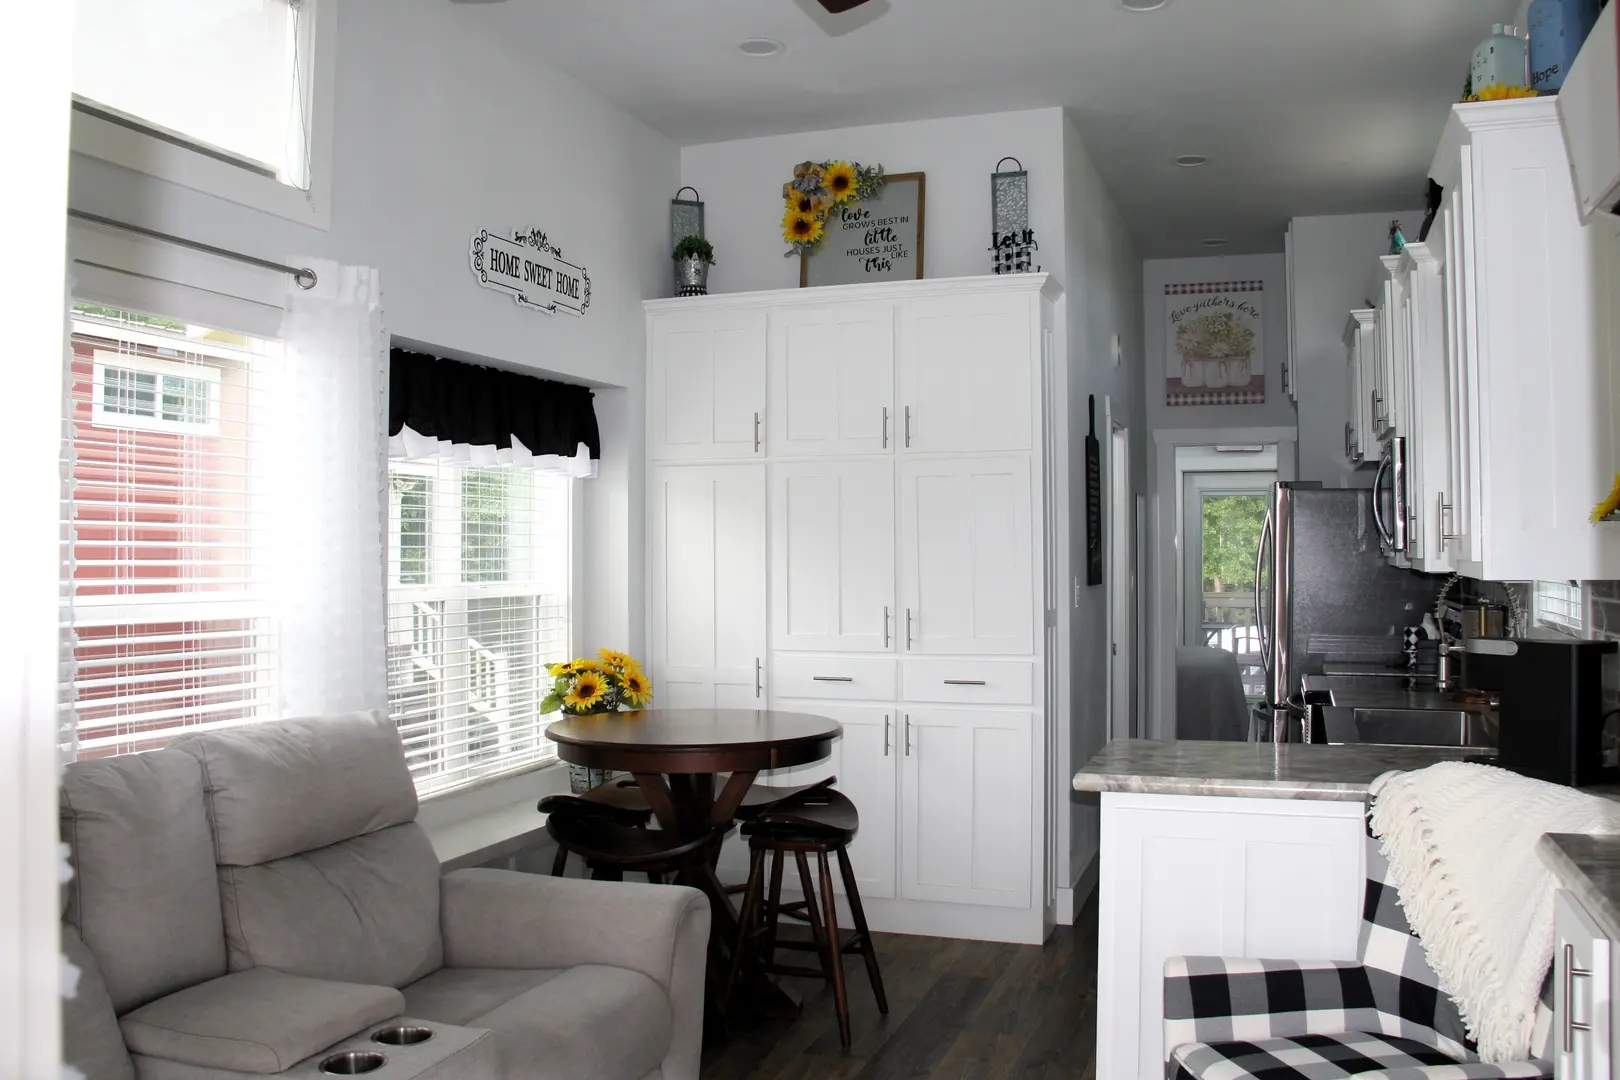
(850, 223)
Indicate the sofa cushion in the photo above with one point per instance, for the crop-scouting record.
(364, 910)
(91, 1041)
(282, 788)
(462, 995)
(588, 1023)
(144, 894)
(259, 1021)
(1323, 1057)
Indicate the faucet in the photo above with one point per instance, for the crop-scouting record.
(1443, 673)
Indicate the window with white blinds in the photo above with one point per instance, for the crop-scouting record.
(1557, 604)
(166, 621)
(478, 604)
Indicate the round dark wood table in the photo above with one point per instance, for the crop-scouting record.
(676, 756)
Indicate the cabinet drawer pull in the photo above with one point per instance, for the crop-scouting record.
(908, 628)
(908, 425)
(885, 626)
(885, 734)
(831, 678)
(908, 734)
(964, 682)
(1446, 508)
(759, 684)
(756, 433)
(1571, 973)
(885, 427)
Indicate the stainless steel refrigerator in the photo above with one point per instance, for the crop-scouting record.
(1327, 596)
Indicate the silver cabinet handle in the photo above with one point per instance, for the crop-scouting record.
(1446, 508)
(908, 628)
(908, 734)
(1377, 406)
(831, 678)
(885, 626)
(964, 682)
(908, 425)
(759, 684)
(885, 734)
(1285, 378)
(885, 427)
(756, 433)
(1571, 973)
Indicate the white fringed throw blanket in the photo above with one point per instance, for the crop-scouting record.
(1461, 843)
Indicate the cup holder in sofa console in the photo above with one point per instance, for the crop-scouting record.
(402, 1035)
(353, 1063)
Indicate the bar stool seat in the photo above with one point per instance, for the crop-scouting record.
(762, 798)
(610, 847)
(819, 821)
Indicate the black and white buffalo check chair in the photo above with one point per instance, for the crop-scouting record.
(1383, 1017)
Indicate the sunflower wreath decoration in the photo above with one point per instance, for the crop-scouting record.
(816, 190)
(594, 686)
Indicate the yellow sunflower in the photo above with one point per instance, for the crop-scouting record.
(1503, 92)
(800, 228)
(581, 666)
(804, 204)
(637, 688)
(840, 180)
(615, 659)
(556, 670)
(586, 691)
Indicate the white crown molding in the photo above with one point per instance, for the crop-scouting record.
(1043, 283)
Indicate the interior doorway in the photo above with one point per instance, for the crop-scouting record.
(1222, 516)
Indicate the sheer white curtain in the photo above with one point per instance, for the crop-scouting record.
(327, 478)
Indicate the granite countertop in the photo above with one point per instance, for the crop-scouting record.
(1254, 770)
(1589, 867)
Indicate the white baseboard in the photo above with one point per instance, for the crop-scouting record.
(1072, 899)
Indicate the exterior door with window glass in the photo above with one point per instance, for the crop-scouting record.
(1222, 516)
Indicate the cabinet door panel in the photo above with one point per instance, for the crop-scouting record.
(708, 586)
(966, 805)
(832, 380)
(967, 373)
(863, 760)
(706, 394)
(832, 565)
(967, 556)
(1583, 993)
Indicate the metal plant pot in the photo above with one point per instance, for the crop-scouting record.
(691, 276)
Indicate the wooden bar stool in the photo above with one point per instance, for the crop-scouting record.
(612, 840)
(821, 822)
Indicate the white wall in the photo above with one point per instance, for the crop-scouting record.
(741, 185)
(424, 155)
(1335, 271)
(1104, 299)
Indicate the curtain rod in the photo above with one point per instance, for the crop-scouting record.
(302, 276)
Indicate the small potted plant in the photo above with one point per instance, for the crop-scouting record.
(585, 686)
(693, 257)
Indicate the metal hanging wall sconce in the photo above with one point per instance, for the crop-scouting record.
(1012, 241)
(685, 216)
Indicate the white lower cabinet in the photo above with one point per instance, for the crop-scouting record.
(966, 805)
(1583, 994)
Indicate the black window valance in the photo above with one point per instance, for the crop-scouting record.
(453, 402)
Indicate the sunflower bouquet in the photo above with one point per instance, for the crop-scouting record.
(816, 190)
(600, 685)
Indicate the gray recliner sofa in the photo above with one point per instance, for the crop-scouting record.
(258, 901)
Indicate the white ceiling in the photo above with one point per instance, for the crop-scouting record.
(1303, 106)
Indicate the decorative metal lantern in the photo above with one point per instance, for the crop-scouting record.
(685, 216)
(1012, 241)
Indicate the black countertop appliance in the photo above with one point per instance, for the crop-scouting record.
(1560, 711)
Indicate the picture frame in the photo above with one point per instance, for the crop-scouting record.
(851, 254)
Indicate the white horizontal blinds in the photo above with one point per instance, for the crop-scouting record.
(165, 616)
(231, 75)
(1557, 604)
(478, 605)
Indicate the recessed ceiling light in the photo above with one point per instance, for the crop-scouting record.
(1215, 241)
(1143, 5)
(1192, 161)
(761, 46)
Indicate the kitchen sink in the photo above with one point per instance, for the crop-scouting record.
(1407, 726)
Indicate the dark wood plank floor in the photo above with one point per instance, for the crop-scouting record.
(958, 1010)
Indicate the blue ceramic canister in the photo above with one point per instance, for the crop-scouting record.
(1557, 30)
(1501, 59)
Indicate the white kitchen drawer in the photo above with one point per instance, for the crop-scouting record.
(839, 678)
(973, 682)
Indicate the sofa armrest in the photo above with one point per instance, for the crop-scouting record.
(257, 1021)
(1221, 999)
(507, 919)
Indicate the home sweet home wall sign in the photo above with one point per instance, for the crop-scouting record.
(530, 269)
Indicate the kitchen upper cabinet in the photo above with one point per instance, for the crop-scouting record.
(706, 385)
(968, 372)
(832, 380)
(967, 556)
(1389, 394)
(709, 585)
(833, 555)
(967, 829)
(1427, 445)
(1361, 363)
(863, 759)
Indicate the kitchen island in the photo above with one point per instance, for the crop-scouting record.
(1223, 849)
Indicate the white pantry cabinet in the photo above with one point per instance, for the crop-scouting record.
(832, 380)
(708, 583)
(706, 385)
(905, 460)
(832, 554)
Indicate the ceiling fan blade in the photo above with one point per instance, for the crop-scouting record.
(838, 7)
